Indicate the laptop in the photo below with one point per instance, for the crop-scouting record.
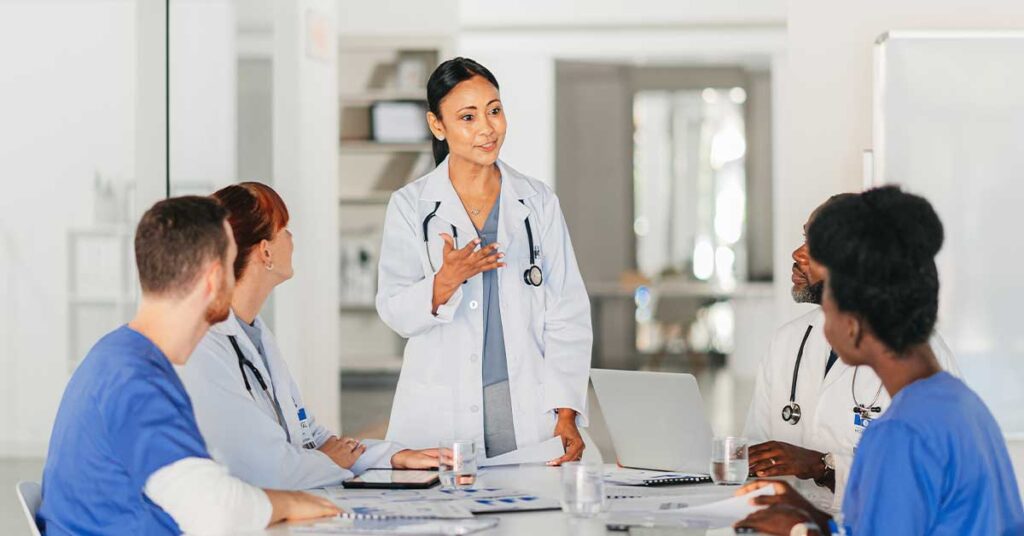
(656, 419)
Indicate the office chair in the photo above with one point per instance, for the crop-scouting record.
(30, 495)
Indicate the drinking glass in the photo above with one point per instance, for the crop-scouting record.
(729, 465)
(457, 464)
(582, 489)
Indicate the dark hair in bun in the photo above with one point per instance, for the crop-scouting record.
(879, 248)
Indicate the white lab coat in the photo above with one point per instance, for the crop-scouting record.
(826, 404)
(547, 329)
(242, 431)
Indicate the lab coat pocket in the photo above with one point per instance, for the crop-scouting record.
(532, 300)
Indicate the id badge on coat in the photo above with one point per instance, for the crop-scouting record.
(860, 422)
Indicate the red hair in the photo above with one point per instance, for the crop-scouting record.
(256, 213)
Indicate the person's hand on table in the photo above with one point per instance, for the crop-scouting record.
(572, 441)
(785, 500)
(297, 505)
(779, 519)
(415, 459)
(344, 451)
(775, 458)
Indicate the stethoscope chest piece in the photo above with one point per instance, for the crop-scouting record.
(791, 413)
(533, 276)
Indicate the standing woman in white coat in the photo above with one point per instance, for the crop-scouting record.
(477, 271)
(248, 407)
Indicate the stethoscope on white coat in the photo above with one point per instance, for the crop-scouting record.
(244, 362)
(533, 275)
(791, 412)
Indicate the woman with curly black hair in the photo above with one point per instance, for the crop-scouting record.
(936, 461)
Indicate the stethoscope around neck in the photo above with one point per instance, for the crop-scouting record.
(533, 275)
(243, 363)
(791, 412)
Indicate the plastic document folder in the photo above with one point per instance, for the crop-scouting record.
(640, 477)
(451, 527)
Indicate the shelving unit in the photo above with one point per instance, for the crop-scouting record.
(101, 284)
(369, 172)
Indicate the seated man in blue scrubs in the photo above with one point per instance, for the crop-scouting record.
(125, 454)
(936, 461)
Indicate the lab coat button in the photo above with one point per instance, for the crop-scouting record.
(473, 358)
(473, 305)
(474, 408)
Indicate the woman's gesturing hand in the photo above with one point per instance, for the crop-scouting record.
(462, 264)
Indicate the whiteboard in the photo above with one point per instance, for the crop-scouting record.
(949, 125)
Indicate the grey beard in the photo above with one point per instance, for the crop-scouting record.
(809, 293)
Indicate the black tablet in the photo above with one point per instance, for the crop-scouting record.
(393, 479)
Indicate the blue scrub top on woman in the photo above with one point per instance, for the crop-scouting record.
(935, 463)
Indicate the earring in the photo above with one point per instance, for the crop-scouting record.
(440, 138)
(269, 266)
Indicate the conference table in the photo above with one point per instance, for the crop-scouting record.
(545, 482)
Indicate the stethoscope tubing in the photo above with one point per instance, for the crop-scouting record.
(533, 275)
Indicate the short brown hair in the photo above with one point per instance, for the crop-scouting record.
(257, 213)
(175, 238)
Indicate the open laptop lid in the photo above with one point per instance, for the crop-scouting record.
(656, 419)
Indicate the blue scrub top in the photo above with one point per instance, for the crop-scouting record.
(495, 362)
(935, 463)
(124, 415)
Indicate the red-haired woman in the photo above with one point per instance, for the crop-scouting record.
(248, 406)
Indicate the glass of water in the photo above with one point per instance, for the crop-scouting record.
(729, 464)
(582, 489)
(457, 464)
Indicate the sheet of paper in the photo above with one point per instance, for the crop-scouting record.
(397, 526)
(538, 453)
(647, 504)
(732, 509)
(425, 509)
(717, 514)
(510, 503)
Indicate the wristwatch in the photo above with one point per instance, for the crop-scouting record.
(804, 529)
(829, 461)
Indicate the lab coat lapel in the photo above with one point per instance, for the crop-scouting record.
(231, 328)
(839, 370)
(282, 387)
(513, 214)
(439, 188)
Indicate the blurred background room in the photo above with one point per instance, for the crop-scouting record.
(687, 140)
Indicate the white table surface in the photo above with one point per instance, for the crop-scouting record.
(544, 481)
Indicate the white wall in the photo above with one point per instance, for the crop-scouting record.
(643, 13)
(398, 17)
(824, 119)
(203, 74)
(306, 126)
(67, 113)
